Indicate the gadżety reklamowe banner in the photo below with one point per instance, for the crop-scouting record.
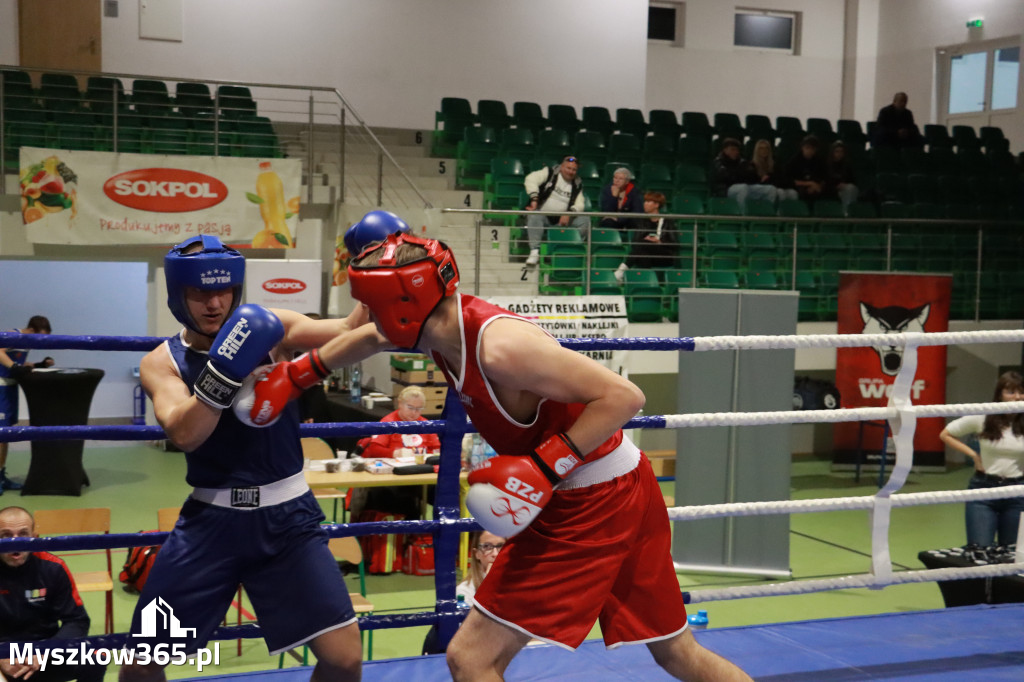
(84, 197)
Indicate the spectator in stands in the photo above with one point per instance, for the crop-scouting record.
(764, 168)
(553, 189)
(13, 364)
(39, 601)
(405, 500)
(621, 195)
(998, 462)
(806, 175)
(842, 183)
(895, 126)
(735, 177)
(654, 243)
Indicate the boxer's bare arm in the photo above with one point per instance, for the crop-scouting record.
(186, 420)
(303, 333)
(524, 364)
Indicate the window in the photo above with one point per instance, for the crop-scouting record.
(665, 22)
(766, 30)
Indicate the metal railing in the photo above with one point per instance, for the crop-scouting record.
(300, 112)
(694, 227)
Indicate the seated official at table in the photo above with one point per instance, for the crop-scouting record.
(39, 601)
(404, 500)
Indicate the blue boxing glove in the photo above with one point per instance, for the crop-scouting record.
(243, 342)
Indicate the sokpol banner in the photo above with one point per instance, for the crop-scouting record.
(885, 303)
(79, 197)
(574, 317)
(289, 284)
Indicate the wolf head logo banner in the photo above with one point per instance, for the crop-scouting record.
(892, 320)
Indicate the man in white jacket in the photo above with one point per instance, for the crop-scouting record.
(553, 189)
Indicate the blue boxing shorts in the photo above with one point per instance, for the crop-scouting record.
(277, 553)
(8, 403)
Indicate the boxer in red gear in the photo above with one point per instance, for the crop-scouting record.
(598, 548)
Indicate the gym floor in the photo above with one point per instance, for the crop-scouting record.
(135, 480)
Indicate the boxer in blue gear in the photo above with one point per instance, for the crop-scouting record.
(374, 227)
(13, 362)
(251, 519)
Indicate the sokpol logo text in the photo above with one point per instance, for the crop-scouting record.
(158, 620)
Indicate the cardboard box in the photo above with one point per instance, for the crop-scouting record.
(419, 376)
(663, 462)
(409, 362)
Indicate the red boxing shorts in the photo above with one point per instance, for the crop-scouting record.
(600, 552)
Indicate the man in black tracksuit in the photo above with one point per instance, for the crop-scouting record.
(38, 601)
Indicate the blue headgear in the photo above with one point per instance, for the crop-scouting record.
(374, 227)
(212, 267)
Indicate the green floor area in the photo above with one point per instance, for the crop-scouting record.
(136, 480)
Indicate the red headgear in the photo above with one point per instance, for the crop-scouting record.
(402, 297)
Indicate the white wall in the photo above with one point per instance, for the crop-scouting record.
(906, 58)
(395, 59)
(709, 74)
(8, 31)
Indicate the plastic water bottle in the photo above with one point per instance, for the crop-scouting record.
(355, 388)
(476, 454)
(699, 621)
(460, 603)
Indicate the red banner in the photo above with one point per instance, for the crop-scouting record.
(884, 303)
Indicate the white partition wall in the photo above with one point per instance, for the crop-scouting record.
(716, 465)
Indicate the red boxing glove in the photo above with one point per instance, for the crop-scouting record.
(272, 390)
(506, 494)
(556, 457)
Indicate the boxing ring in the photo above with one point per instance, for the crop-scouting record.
(962, 643)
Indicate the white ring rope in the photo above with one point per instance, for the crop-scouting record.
(854, 581)
(796, 341)
(679, 421)
(902, 417)
(714, 511)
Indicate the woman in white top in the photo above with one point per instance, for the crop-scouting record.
(1000, 462)
(485, 548)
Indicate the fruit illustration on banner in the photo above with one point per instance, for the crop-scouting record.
(273, 209)
(339, 274)
(48, 187)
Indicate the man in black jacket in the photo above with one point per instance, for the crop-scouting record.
(39, 601)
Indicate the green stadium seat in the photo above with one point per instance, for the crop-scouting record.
(695, 149)
(631, 121)
(761, 279)
(894, 209)
(591, 145)
(789, 126)
(821, 128)
(625, 148)
(664, 122)
(473, 156)
(728, 125)
(150, 97)
(643, 295)
(603, 282)
(607, 248)
(691, 203)
(492, 113)
(659, 149)
(964, 137)
(450, 123)
(254, 137)
(923, 188)
(937, 137)
(674, 281)
(696, 124)
(518, 142)
(892, 187)
(193, 98)
(235, 101)
(719, 279)
(503, 185)
(992, 138)
(528, 115)
(796, 208)
(656, 177)
(563, 117)
(759, 127)
(693, 178)
(598, 120)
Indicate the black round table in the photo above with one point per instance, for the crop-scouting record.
(58, 397)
